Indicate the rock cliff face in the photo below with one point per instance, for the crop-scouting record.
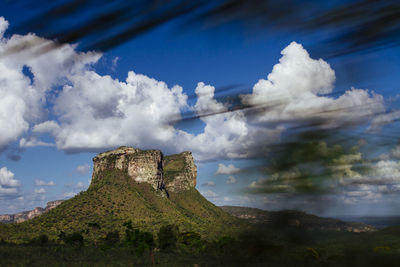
(27, 215)
(141, 166)
(174, 173)
(180, 172)
(52, 204)
(7, 218)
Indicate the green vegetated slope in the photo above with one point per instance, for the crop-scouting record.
(115, 199)
(174, 165)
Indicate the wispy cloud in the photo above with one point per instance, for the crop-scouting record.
(231, 180)
(209, 194)
(69, 194)
(83, 169)
(44, 183)
(40, 191)
(114, 63)
(209, 183)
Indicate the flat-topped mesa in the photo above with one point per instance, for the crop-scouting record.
(172, 173)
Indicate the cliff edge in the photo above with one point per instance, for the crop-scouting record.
(174, 173)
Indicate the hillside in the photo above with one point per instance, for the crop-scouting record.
(296, 219)
(131, 184)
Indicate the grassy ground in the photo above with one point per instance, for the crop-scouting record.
(258, 246)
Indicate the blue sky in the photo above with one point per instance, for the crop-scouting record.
(48, 153)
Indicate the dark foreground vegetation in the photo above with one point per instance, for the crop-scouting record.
(256, 246)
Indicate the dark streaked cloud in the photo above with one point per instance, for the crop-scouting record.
(93, 112)
(355, 26)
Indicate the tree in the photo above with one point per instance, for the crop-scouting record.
(139, 240)
(191, 241)
(167, 237)
(43, 239)
(93, 231)
(112, 238)
(40, 240)
(75, 239)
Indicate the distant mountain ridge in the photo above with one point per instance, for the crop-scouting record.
(293, 218)
(30, 214)
(379, 222)
(252, 215)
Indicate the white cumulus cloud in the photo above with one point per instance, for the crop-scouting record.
(26, 78)
(295, 89)
(226, 169)
(99, 112)
(92, 112)
(9, 186)
(296, 76)
(7, 178)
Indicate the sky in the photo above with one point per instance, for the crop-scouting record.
(61, 108)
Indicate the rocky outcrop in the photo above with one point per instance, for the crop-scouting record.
(27, 215)
(7, 218)
(173, 173)
(140, 165)
(52, 204)
(180, 172)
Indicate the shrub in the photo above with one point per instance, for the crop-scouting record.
(40, 240)
(43, 239)
(75, 238)
(191, 241)
(312, 252)
(112, 238)
(139, 240)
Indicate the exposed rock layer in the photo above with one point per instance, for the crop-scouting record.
(27, 215)
(172, 173)
(180, 172)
